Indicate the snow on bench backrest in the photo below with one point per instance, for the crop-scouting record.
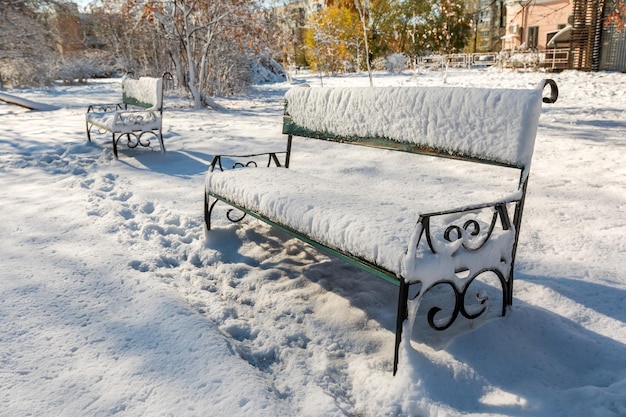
(489, 125)
(144, 92)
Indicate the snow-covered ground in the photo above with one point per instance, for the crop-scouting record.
(113, 301)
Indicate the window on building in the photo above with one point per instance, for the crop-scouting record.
(533, 37)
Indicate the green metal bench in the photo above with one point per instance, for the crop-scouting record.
(419, 242)
(139, 113)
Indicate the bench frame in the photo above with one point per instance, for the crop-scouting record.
(131, 112)
(500, 217)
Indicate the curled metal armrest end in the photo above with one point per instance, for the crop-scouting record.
(554, 91)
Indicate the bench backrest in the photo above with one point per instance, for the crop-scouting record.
(145, 92)
(495, 126)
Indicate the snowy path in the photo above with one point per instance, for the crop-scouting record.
(83, 334)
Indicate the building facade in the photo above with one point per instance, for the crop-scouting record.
(532, 24)
(488, 24)
(612, 43)
(573, 32)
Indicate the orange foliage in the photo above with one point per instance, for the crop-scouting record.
(332, 38)
(618, 16)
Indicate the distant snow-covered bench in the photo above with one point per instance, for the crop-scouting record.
(139, 113)
(425, 237)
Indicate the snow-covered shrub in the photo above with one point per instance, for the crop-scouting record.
(396, 63)
(26, 72)
(266, 70)
(78, 69)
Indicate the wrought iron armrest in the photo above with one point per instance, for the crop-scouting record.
(250, 160)
(471, 224)
(554, 92)
(238, 161)
(132, 107)
(471, 242)
(105, 108)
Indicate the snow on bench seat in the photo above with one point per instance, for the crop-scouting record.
(124, 122)
(353, 219)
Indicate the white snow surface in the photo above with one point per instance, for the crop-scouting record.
(487, 123)
(114, 302)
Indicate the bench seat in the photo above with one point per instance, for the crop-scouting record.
(351, 219)
(121, 122)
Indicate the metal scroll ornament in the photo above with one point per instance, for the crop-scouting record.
(135, 139)
(480, 305)
(472, 236)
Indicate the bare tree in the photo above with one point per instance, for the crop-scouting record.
(360, 6)
(209, 42)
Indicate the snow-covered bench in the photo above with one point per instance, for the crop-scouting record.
(418, 236)
(139, 113)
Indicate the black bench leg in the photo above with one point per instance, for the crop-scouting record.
(509, 293)
(161, 141)
(208, 209)
(403, 314)
(114, 146)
